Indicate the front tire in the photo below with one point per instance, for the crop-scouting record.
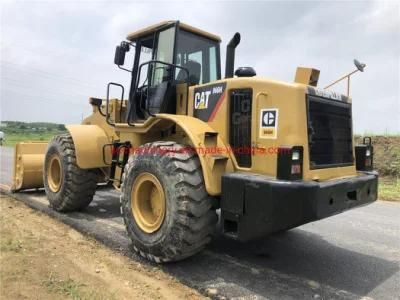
(68, 187)
(167, 211)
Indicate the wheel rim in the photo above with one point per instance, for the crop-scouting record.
(148, 202)
(54, 173)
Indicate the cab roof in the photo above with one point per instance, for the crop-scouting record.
(133, 36)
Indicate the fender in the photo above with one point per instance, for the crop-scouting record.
(89, 141)
(203, 137)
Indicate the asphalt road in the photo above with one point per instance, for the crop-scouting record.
(6, 167)
(349, 256)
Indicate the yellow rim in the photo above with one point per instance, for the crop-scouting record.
(54, 173)
(148, 202)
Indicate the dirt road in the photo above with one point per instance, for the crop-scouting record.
(42, 258)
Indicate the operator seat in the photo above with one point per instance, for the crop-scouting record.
(194, 69)
(162, 98)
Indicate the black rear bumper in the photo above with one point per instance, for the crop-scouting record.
(254, 205)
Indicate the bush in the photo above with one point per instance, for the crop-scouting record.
(386, 154)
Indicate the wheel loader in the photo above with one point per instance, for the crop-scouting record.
(184, 143)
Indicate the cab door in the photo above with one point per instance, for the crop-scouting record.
(161, 97)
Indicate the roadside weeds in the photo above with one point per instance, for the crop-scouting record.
(389, 189)
(42, 258)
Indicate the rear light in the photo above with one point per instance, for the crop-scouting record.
(290, 163)
(296, 169)
(364, 155)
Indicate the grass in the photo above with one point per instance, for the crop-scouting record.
(389, 189)
(13, 138)
(15, 131)
(67, 287)
(74, 290)
(12, 245)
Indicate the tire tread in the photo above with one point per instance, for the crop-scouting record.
(80, 184)
(195, 217)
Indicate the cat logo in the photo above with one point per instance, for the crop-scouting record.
(269, 123)
(207, 100)
(201, 99)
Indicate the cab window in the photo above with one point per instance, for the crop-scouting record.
(145, 55)
(164, 52)
(199, 55)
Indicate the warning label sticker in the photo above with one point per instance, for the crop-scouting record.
(269, 123)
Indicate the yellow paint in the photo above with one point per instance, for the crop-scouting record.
(89, 141)
(307, 76)
(153, 28)
(28, 165)
(54, 173)
(289, 100)
(148, 203)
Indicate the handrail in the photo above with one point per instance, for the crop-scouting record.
(108, 101)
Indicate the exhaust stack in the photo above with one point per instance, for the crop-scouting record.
(230, 55)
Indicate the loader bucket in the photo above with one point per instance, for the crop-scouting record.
(28, 165)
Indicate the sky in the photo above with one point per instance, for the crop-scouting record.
(54, 55)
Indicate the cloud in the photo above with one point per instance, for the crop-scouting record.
(55, 55)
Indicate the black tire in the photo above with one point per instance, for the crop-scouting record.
(77, 186)
(190, 218)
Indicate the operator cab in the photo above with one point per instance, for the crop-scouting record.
(169, 56)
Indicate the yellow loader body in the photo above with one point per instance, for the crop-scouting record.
(271, 155)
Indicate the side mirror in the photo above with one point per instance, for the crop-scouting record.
(119, 58)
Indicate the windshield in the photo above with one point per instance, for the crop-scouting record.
(200, 56)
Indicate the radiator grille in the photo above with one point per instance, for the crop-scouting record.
(329, 133)
(240, 125)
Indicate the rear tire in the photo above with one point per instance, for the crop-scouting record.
(189, 219)
(68, 187)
